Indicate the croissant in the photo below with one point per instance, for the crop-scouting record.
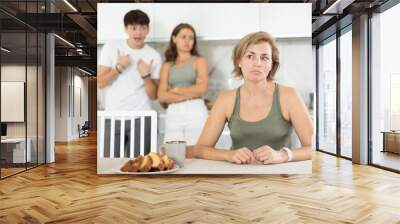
(158, 164)
(127, 167)
(132, 165)
(150, 162)
(169, 163)
(146, 164)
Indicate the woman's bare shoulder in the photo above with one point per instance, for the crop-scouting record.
(290, 97)
(227, 95)
(167, 64)
(226, 102)
(287, 92)
(199, 61)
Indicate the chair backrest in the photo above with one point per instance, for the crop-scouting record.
(86, 125)
(126, 134)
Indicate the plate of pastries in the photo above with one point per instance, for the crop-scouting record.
(152, 163)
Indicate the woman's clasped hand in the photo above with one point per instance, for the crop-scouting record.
(261, 155)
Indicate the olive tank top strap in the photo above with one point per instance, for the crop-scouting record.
(276, 104)
(236, 108)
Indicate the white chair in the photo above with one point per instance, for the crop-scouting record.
(139, 126)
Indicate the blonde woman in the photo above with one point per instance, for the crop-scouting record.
(261, 113)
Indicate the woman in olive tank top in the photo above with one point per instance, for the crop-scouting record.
(183, 82)
(261, 114)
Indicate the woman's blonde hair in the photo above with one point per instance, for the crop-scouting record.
(246, 42)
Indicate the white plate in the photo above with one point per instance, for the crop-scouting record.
(118, 170)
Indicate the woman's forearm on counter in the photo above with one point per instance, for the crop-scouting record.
(302, 153)
(205, 152)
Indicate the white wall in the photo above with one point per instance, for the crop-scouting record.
(68, 82)
(61, 103)
(80, 83)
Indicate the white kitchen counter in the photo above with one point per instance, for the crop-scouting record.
(201, 166)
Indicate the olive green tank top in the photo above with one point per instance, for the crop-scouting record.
(182, 75)
(273, 130)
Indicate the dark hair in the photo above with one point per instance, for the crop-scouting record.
(171, 53)
(246, 42)
(136, 16)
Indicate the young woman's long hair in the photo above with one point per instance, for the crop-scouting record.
(171, 53)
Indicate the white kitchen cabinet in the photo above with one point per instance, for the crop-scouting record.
(110, 20)
(216, 21)
(284, 20)
(212, 21)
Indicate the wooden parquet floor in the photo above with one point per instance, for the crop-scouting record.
(70, 191)
(10, 171)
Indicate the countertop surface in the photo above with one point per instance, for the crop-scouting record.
(201, 166)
